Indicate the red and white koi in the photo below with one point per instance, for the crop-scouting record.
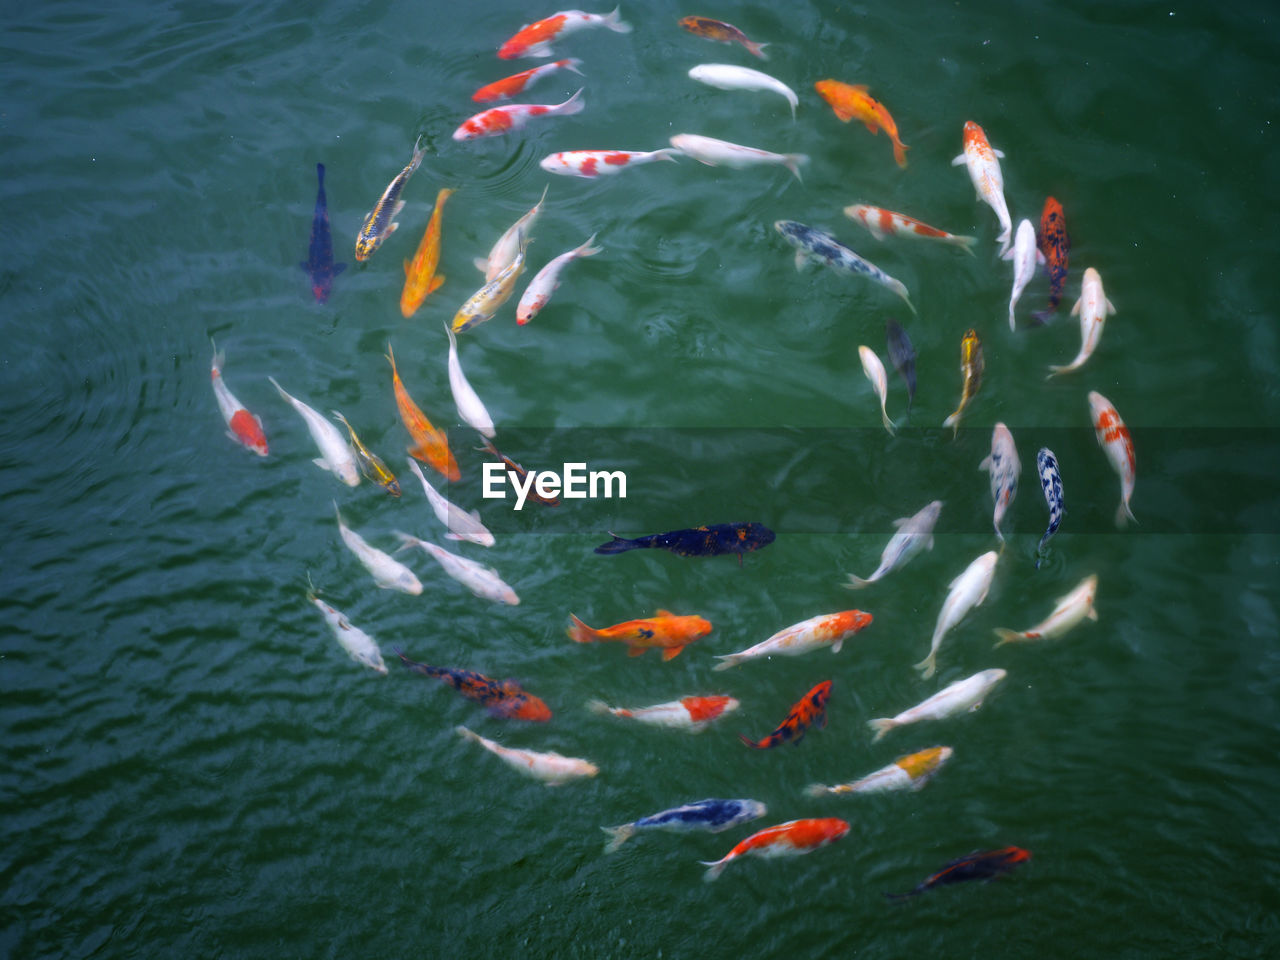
(727, 76)
(361, 647)
(1113, 437)
(984, 171)
(596, 163)
(461, 525)
(335, 454)
(722, 153)
(508, 245)
(500, 120)
(535, 39)
(546, 280)
(1005, 468)
(911, 772)
(874, 370)
(551, 768)
(1093, 308)
(826, 630)
(788, 839)
(1025, 255)
(484, 582)
(388, 572)
(693, 714)
(967, 694)
(517, 83)
(885, 223)
(242, 426)
(1070, 611)
(966, 592)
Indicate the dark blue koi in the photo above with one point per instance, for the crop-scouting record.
(319, 264)
(984, 865)
(706, 541)
(902, 355)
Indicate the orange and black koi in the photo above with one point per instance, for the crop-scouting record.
(982, 865)
(504, 699)
(1055, 244)
(319, 263)
(520, 472)
(810, 711)
(705, 541)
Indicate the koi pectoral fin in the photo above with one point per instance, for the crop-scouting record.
(671, 653)
(636, 651)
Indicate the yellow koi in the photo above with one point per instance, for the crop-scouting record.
(371, 464)
(488, 300)
(971, 369)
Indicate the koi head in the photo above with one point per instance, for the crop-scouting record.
(851, 621)
(519, 705)
(365, 245)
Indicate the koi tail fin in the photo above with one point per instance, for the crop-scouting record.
(618, 836)
(881, 726)
(617, 545)
(817, 790)
(757, 49)
(580, 632)
(1124, 515)
(729, 660)
(857, 583)
(407, 540)
(1007, 636)
(793, 161)
(888, 424)
(716, 867)
(615, 23)
(1005, 238)
(900, 154)
(749, 742)
(964, 243)
(572, 63)
(953, 422)
(466, 734)
(597, 706)
(928, 666)
(571, 106)
(220, 356)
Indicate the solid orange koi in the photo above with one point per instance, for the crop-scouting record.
(852, 102)
(664, 630)
(420, 279)
(430, 445)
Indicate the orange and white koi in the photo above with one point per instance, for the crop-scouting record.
(596, 163)
(1069, 612)
(335, 454)
(911, 772)
(546, 280)
(535, 39)
(694, 714)
(1113, 437)
(785, 840)
(420, 277)
(722, 32)
(500, 120)
(488, 300)
(430, 445)
(242, 426)
(874, 370)
(826, 630)
(965, 592)
(1093, 308)
(664, 630)
(722, 153)
(885, 223)
(967, 694)
(517, 83)
(380, 221)
(853, 102)
(809, 711)
(508, 245)
(984, 171)
(388, 572)
(551, 768)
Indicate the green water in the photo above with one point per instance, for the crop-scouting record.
(192, 766)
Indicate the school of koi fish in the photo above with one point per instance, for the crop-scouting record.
(665, 632)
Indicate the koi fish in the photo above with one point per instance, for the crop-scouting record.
(813, 244)
(535, 39)
(1113, 437)
(663, 630)
(852, 102)
(874, 370)
(1093, 308)
(517, 83)
(1055, 245)
(1051, 484)
(985, 865)
(713, 816)
(508, 245)
(984, 171)
(370, 463)
(388, 572)
(971, 370)
(965, 592)
(726, 76)
(911, 772)
(706, 541)
(483, 582)
(885, 223)
(551, 768)
(722, 153)
(1025, 256)
(809, 711)
(503, 699)
(1004, 467)
(596, 163)
(693, 714)
(827, 630)
(967, 694)
(380, 223)
(722, 32)
(546, 280)
(420, 277)
(335, 455)
(915, 533)
(488, 300)
(785, 840)
(499, 120)
(470, 408)
(902, 355)
(361, 647)
(429, 444)
(461, 525)
(1070, 610)
(242, 426)
(319, 264)
(520, 474)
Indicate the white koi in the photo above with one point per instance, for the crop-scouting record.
(874, 370)
(1005, 468)
(546, 280)
(387, 572)
(1093, 308)
(1025, 255)
(551, 768)
(722, 153)
(361, 647)
(484, 582)
(915, 533)
(1071, 610)
(335, 452)
(461, 524)
(508, 245)
(470, 408)
(984, 171)
(725, 76)
(1113, 437)
(966, 592)
(967, 694)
